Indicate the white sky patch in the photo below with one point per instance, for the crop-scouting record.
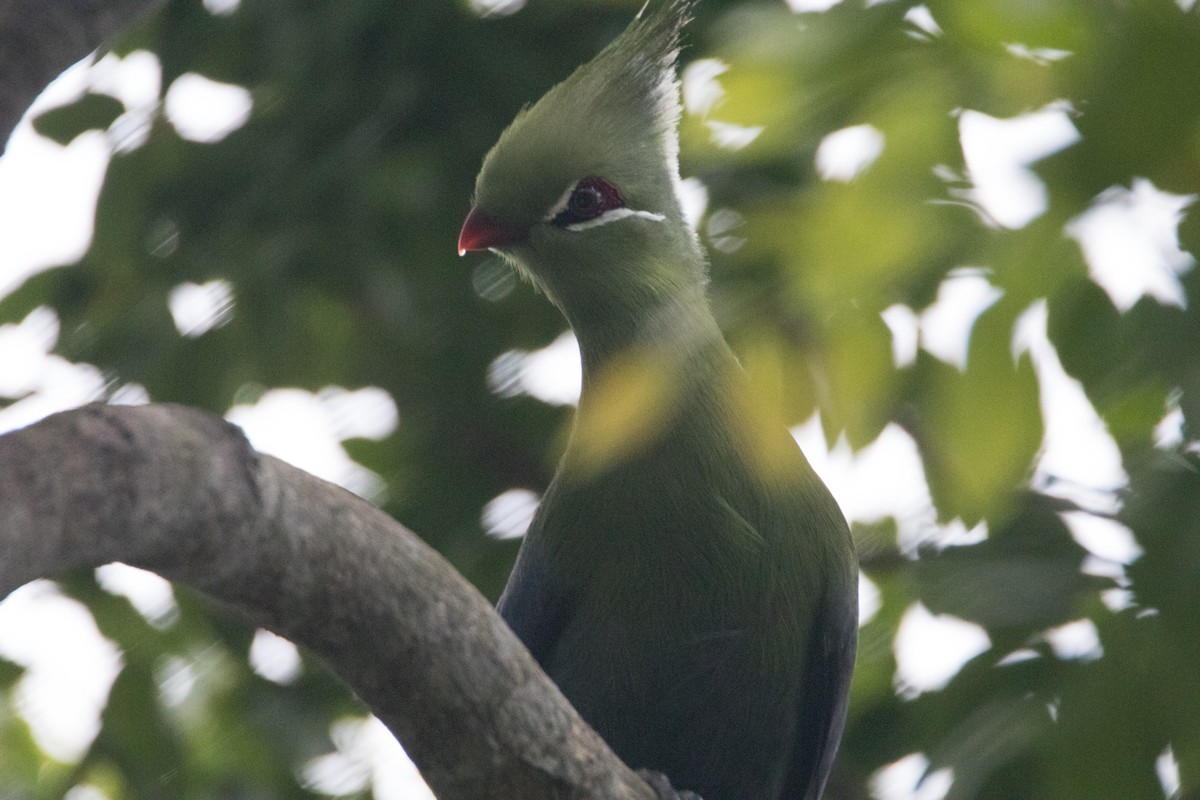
(731, 136)
(869, 599)
(906, 779)
(801, 6)
(1103, 537)
(129, 394)
(1042, 56)
(135, 80)
(47, 201)
(921, 18)
(307, 429)
(1118, 599)
(1079, 459)
(1111, 545)
(1166, 766)
(45, 383)
(1075, 641)
(702, 92)
(944, 327)
(553, 374)
(199, 308)
(946, 324)
(204, 110)
(367, 755)
(25, 345)
(366, 413)
(274, 657)
(221, 8)
(1168, 434)
(507, 516)
(150, 594)
(344, 771)
(85, 792)
(1019, 656)
(931, 649)
(884, 479)
(998, 153)
(48, 192)
(1130, 239)
(905, 327)
(52, 635)
(844, 154)
(61, 386)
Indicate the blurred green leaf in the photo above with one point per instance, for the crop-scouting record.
(332, 216)
(978, 429)
(93, 111)
(1024, 578)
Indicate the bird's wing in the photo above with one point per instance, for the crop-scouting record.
(535, 602)
(822, 712)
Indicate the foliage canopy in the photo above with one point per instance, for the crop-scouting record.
(332, 216)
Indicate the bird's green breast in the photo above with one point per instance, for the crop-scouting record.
(693, 575)
(687, 533)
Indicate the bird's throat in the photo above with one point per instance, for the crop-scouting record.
(638, 380)
(674, 331)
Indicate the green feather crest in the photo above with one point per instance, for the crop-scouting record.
(616, 116)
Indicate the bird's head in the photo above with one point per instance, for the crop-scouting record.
(581, 192)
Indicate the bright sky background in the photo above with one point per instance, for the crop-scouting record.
(47, 200)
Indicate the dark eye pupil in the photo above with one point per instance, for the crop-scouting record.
(585, 200)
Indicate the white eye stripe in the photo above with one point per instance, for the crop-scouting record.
(561, 205)
(612, 215)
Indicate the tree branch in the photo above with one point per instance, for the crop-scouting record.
(180, 492)
(40, 39)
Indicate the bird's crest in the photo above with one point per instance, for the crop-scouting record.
(649, 51)
(619, 110)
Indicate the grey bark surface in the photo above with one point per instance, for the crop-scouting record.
(39, 39)
(180, 492)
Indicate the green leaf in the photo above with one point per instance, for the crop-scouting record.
(978, 430)
(1024, 576)
(93, 111)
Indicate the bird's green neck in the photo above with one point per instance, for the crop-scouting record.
(642, 373)
(629, 300)
(676, 332)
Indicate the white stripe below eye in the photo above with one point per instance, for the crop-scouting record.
(612, 215)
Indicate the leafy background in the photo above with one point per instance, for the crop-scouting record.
(332, 215)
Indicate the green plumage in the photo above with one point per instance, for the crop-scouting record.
(687, 581)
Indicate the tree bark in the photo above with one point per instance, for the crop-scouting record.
(180, 492)
(41, 38)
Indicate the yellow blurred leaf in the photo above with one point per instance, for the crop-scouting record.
(626, 408)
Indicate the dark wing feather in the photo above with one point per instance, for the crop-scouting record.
(826, 693)
(535, 603)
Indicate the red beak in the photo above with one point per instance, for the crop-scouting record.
(481, 230)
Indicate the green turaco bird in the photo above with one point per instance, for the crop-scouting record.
(688, 581)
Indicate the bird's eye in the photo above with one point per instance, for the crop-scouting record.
(584, 201)
(588, 199)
